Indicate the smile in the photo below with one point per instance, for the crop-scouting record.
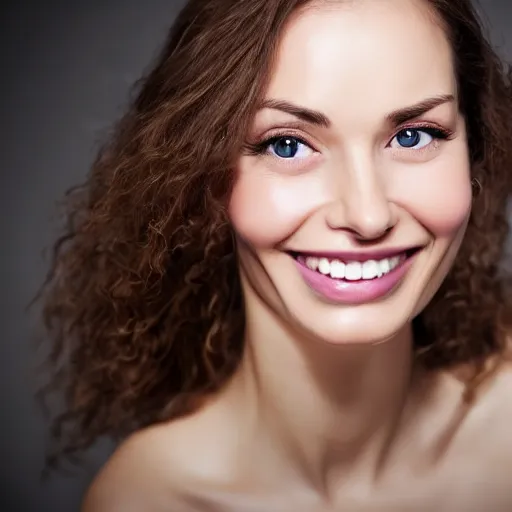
(350, 278)
(354, 270)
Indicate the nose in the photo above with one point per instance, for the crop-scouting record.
(359, 200)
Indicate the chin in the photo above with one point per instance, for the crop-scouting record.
(363, 325)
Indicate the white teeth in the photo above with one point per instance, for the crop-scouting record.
(370, 269)
(353, 270)
(337, 269)
(384, 266)
(312, 263)
(324, 267)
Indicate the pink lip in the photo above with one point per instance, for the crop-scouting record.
(353, 292)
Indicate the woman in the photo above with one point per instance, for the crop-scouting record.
(282, 282)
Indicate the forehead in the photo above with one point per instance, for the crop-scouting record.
(377, 52)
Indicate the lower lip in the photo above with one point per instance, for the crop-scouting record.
(354, 292)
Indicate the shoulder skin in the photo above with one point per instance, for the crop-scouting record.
(138, 477)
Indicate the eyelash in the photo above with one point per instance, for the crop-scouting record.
(261, 148)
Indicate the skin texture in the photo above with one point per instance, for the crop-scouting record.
(327, 410)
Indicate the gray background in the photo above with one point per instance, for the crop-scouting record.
(65, 72)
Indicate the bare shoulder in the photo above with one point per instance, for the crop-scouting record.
(167, 467)
(490, 416)
(144, 473)
(497, 398)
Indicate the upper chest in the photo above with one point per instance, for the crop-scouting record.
(472, 472)
(476, 490)
(475, 481)
(451, 459)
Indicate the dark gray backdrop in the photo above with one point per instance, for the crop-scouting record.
(65, 72)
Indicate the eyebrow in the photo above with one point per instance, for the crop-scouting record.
(396, 118)
(403, 115)
(303, 113)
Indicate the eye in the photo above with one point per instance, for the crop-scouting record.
(288, 147)
(416, 138)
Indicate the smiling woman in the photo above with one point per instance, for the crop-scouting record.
(282, 282)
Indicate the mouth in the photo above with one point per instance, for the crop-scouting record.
(354, 278)
(354, 266)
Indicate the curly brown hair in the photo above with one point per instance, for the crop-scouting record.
(143, 301)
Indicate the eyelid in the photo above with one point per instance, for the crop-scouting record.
(423, 126)
(286, 133)
(291, 131)
(258, 148)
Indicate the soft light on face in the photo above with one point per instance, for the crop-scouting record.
(358, 151)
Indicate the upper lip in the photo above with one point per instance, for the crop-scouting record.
(379, 254)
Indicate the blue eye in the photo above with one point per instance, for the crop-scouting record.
(288, 147)
(408, 138)
(415, 138)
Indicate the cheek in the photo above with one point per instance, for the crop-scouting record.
(440, 198)
(265, 209)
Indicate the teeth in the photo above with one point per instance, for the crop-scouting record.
(385, 266)
(312, 263)
(371, 269)
(337, 269)
(353, 270)
(324, 267)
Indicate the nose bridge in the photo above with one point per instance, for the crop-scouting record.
(361, 193)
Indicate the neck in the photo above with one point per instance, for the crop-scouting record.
(321, 411)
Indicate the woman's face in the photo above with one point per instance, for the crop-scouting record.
(353, 195)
